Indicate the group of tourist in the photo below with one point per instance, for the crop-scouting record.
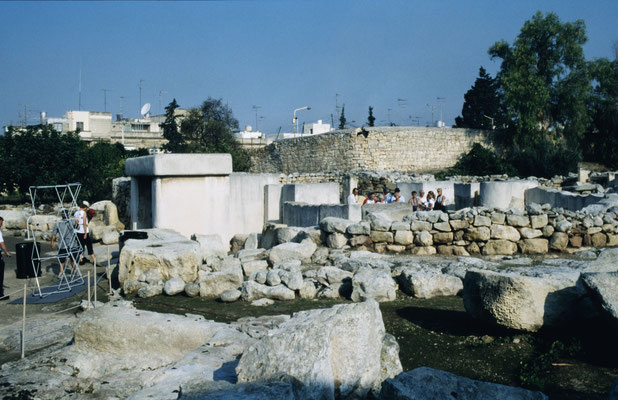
(419, 201)
(432, 202)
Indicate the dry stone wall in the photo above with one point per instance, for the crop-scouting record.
(416, 149)
(476, 231)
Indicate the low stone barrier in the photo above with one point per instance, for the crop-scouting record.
(484, 231)
(303, 214)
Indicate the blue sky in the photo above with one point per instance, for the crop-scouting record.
(278, 55)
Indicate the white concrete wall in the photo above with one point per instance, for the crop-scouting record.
(505, 194)
(272, 202)
(557, 198)
(467, 194)
(247, 201)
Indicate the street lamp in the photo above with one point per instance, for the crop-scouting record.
(295, 120)
(492, 121)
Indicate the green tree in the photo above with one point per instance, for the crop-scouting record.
(342, 119)
(209, 129)
(482, 107)
(545, 81)
(602, 135)
(370, 119)
(175, 141)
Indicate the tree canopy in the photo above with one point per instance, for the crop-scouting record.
(482, 107)
(207, 129)
(370, 119)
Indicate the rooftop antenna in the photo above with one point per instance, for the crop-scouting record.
(160, 93)
(79, 105)
(441, 102)
(140, 91)
(105, 99)
(337, 108)
(418, 120)
(432, 108)
(402, 104)
(256, 108)
(145, 111)
(121, 102)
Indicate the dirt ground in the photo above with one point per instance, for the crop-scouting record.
(575, 363)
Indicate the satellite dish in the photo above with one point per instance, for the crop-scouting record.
(145, 110)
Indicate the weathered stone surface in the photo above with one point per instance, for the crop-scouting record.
(230, 296)
(336, 350)
(504, 247)
(538, 221)
(252, 242)
(212, 284)
(336, 240)
(442, 226)
(110, 237)
(395, 248)
(381, 237)
(379, 221)
(360, 228)
(524, 302)
(534, 246)
(377, 284)
(428, 383)
(481, 233)
(459, 224)
(252, 255)
(192, 289)
(166, 251)
(575, 241)
(404, 237)
(423, 251)
(548, 230)
(559, 241)
(534, 209)
(604, 286)
(150, 290)
(211, 245)
(563, 226)
(417, 226)
(308, 290)
(150, 339)
(262, 302)
(443, 237)
(529, 233)
(517, 220)
(607, 261)
(288, 265)
(293, 278)
(286, 234)
(229, 263)
(423, 238)
(331, 275)
(250, 267)
(360, 240)
(598, 240)
(238, 242)
(498, 218)
(453, 251)
(174, 286)
(400, 226)
(252, 290)
(481, 220)
(426, 285)
(612, 240)
(504, 232)
(293, 251)
(335, 225)
(272, 278)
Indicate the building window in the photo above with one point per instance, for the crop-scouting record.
(79, 126)
(58, 127)
(140, 127)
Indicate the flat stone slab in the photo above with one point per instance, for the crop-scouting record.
(179, 165)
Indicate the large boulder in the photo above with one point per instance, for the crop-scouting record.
(369, 283)
(604, 286)
(252, 290)
(211, 246)
(336, 350)
(501, 246)
(525, 302)
(504, 232)
(426, 285)
(212, 284)
(166, 251)
(335, 225)
(379, 221)
(143, 338)
(429, 383)
(293, 251)
(15, 219)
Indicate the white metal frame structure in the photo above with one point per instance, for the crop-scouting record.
(68, 192)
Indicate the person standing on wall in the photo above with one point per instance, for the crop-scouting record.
(8, 254)
(85, 241)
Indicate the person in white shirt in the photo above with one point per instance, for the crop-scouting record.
(388, 197)
(85, 241)
(353, 197)
(421, 200)
(398, 198)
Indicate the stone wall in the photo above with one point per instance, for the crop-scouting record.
(475, 231)
(416, 149)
